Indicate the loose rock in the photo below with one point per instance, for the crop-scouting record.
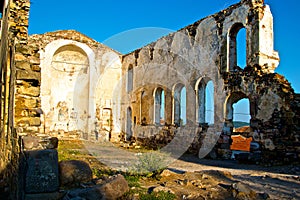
(74, 172)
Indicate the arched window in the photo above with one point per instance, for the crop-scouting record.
(237, 111)
(241, 113)
(205, 99)
(179, 105)
(159, 106)
(209, 103)
(241, 43)
(130, 78)
(237, 47)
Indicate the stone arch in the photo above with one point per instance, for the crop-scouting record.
(230, 100)
(70, 59)
(66, 66)
(202, 102)
(159, 105)
(229, 112)
(232, 46)
(179, 104)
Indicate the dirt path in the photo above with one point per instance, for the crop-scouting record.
(279, 182)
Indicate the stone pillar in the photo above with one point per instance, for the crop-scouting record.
(168, 106)
(191, 107)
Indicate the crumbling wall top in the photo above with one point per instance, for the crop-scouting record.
(42, 40)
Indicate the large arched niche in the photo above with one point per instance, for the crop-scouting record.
(70, 59)
(65, 90)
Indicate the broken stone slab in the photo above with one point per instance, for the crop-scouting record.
(167, 173)
(242, 191)
(114, 188)
(38, 143)
(240, 187)
(74, 172)
(163, 189)
(42, 171)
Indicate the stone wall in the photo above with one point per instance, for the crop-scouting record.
(192, 57)
(13, 47)
(202, 52)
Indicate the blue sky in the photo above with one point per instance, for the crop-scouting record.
(106, 20)
(101, 20)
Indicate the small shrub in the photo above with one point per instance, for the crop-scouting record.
(151, 163)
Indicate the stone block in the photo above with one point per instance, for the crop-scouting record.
(23, 65)
(34, 60)
(36, 68)
(28, 75)
(42, 172)
(30, 142)
(31, 121)
(30, 103)
(20, 57)
(30, 91)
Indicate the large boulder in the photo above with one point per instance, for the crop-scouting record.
(74, 172)
(114, 188)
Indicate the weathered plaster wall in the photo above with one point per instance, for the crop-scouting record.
(196, 52)
(78, 76)
(202, 52)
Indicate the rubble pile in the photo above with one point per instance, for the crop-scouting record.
(157, 141)
(46, 178)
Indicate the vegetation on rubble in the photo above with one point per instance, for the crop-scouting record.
(149, 167)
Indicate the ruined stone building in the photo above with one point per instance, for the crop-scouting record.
(67, 85)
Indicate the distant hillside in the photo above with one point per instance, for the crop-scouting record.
(238, 124)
